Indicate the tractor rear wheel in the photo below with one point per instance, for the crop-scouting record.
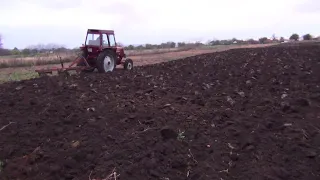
(106, 61)
(128, 64)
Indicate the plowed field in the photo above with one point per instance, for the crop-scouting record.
(240, 114)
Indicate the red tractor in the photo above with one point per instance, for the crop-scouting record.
(99, 51)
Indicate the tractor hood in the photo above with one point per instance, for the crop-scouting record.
(119, 48)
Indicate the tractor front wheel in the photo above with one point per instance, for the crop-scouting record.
(128, 64)
(106, 61)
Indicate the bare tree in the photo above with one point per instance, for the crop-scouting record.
(50, 46)
(120, 44)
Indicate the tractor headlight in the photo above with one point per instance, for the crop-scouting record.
(89, 49)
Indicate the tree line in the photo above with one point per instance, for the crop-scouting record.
(35, 49)
(262, 40)
(166, 45)
(49, 48)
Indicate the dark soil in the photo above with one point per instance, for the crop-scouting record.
(240, 114)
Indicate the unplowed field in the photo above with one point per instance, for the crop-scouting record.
(240, 114)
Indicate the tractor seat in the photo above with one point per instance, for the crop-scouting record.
(94, 42)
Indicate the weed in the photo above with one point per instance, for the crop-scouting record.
(1, 165)
(180, 135)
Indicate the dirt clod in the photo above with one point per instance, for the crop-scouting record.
(75, 144)
(168, 133)
(311, 154)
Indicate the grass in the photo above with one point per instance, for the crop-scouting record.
(155, 51)
(18, 76)
(14, 61)
(30, 63)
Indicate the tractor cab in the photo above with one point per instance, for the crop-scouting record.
(104, 38)
(97, 40)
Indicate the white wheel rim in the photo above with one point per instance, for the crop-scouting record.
(108, 64)
(129, 66)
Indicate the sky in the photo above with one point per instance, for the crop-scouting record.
(65, 22)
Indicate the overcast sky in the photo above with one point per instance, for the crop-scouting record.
(30, 22)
